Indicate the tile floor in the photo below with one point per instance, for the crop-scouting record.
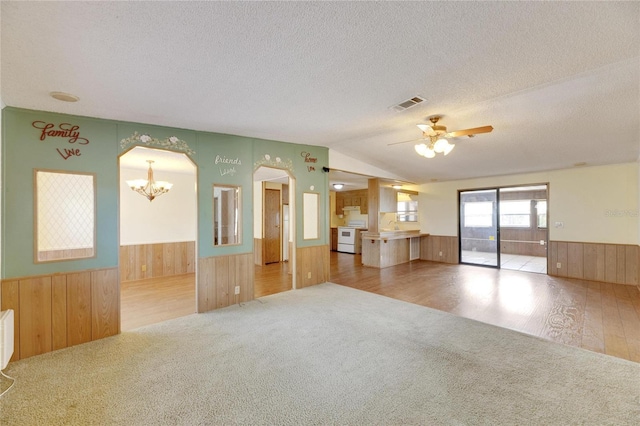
(507, 261)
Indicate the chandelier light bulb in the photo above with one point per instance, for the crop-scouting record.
(421, 149)
(429, 153)
(449, 148)
(440, 145)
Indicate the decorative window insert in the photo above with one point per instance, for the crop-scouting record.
(65, 215)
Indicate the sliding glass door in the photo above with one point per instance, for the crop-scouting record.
(479, 232)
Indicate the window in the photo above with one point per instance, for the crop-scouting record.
(478, 214)
(407, 207)
(515, 214)
(65, 209)
(541, 208)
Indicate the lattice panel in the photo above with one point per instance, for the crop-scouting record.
(65, 211)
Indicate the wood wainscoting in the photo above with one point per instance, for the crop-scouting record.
(312, 265)
(431, 247)
(609, 263)
(142, 261)
(64, 309)
(218, 277)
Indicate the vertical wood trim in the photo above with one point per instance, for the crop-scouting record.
(621, 266)
(105, 303)
(78, 308)
(562, 259)
(631, 265)
(10, 297)
(59, 311)
(552, 258)
(222, 281)
(575, 260)
(35, 316)
(610, 263)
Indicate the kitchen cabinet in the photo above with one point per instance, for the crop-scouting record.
(334, 239)
(388, 200)
(355, 198)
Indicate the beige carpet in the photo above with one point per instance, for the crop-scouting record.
(323, 355)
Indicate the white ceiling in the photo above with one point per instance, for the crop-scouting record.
(559, 81)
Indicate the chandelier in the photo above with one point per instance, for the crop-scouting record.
(148, 187)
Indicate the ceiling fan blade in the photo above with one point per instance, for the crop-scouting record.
(412, 140)
(469, 132)
(426, 129)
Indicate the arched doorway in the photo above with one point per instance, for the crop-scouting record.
(157, 238)
(274, 231)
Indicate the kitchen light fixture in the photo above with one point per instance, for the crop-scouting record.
(149, 187)
(338, 185)
(396, 186)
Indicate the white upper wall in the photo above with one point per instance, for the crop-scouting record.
(345, 163)
(169, 218)
(596, 204)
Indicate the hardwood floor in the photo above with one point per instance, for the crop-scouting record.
(153, 300)
(272, 278)
(596, 316)
(600, 317)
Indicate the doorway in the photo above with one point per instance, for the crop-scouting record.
(505, 227)
(274, 231)
(157, 240)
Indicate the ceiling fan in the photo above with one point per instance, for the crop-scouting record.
(436, 137)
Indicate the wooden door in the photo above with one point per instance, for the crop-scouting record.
(272, 226)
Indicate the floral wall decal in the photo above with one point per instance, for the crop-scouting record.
(173, 142)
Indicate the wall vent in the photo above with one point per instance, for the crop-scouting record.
(408, 103)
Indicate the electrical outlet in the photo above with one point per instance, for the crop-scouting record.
(237, 290)
(559, 265)
(440, 254)
(144, 268)
(308, 275)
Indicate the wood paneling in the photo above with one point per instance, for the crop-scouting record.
(35, 316)
(78, 308)
(142, 261)
(312, 265)
(105, 303)
(10, 298)
(257, 251)
(60, 310)
(219, 275)
(609, 263)
(432, 245)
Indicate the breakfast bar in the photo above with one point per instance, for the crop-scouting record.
(388, 248)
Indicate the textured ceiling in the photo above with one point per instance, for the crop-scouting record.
(559, 81)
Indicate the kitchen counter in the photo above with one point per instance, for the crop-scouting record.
(391, 235)
(388, 248)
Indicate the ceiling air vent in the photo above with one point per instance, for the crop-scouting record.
(408, 103)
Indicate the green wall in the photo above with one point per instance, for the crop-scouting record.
(23, 151)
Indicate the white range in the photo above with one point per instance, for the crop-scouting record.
(348, 236)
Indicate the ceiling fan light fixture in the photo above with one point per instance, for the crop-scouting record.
(429, 153)
(449, 148)
(440, 145)
(421, 149)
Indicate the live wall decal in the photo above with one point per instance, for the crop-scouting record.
(173, 142)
